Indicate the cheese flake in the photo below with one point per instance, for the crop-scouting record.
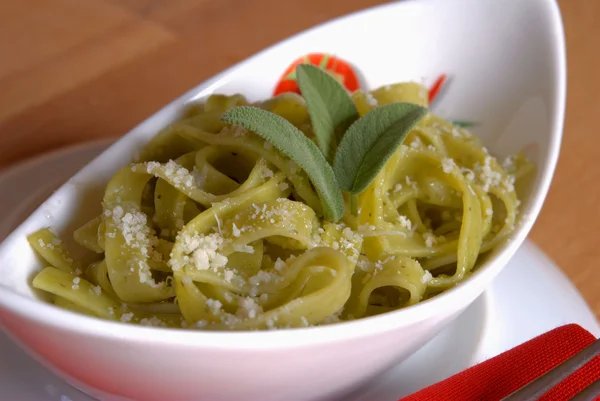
(447, 165)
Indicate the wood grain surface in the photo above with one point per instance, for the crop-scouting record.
(75, 70)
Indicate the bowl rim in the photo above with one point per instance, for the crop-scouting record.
(62, 319)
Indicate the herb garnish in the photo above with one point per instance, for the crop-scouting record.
(330, 108)
(370, 142)
(365, 144)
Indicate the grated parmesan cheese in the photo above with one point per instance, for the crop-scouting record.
(489, 177)
(426, 277)
(279, 264)
(430, 239)
(405, 222)
(177, 174)
(417, 143)
(150, 167)
(132, 225)
(509, 163)
(248, 308)
(126, 317)
(214, 306)
(235, 231)
(137, 235)
(509, 183)
(228, 275)
(75, 285)
(447, 165)
(410, 183)
(203, 249)
(364, 265)
(263, 277)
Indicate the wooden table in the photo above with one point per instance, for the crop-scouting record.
(74, 70)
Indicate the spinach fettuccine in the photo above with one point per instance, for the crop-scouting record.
(295, 211)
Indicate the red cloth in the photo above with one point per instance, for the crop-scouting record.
(500, 376)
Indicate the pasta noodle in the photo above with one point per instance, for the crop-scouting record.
(215, 229)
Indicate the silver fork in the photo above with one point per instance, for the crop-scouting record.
(540, 386)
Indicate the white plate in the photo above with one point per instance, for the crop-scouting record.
(510, 81)
(510, 312)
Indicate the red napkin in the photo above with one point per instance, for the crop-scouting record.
(500, 376)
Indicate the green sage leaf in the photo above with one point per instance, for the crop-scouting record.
(371, 141)
(329, 105)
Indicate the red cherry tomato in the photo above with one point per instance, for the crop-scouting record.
(338, 68)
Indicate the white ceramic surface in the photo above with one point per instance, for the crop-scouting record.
(510, 311)
(507, 60)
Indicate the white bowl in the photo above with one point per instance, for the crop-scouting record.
(507, 62)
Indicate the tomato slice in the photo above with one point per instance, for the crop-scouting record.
(338, 68)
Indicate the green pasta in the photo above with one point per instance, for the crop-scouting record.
(214, 229)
